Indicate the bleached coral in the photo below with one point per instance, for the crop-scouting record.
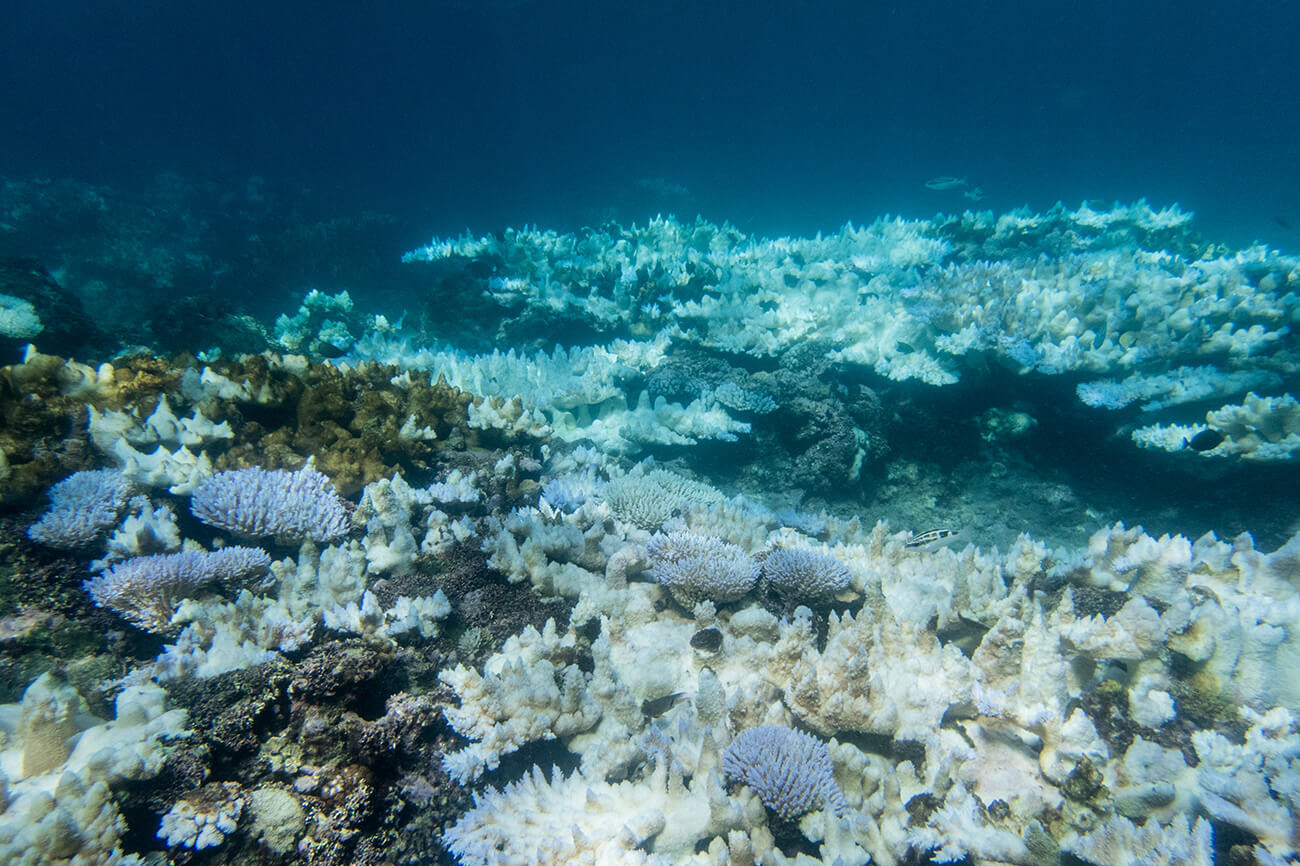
(581, 819)
(805, 574)
(1254, 785)
(219, 635)
(57, 764)
(1182, 385)
(321, 320)
(1262, 429)
(18, 318)
(259, 502)
(179, 471)
(698, 568)
(1118, 842)
(648, 499)
(1007, 726)
(877, 674)
(526, 693)
(83, 506)
(861, 287)
(203, 818)
(145, 530)
(146, 589)
(160, 427)
(789, 770)
(403, 522)
(419, 614)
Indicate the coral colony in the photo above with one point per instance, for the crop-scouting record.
(374, 597)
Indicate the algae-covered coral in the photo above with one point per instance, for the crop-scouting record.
(666, 594)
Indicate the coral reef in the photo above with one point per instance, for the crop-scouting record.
(618, 601)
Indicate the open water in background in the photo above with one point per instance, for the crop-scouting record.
(781, 117)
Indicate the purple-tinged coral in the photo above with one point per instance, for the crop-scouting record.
(788, 769)
(145, 590)
(696, 568)
(83, 506)
(259, 502)
(798, 573)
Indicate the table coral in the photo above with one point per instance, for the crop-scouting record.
(83, 506)
(257, 502)
(146, 589)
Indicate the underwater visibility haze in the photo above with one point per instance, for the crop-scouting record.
(525, 432)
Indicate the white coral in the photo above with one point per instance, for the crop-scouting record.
(523, 695)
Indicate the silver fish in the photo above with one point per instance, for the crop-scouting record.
(945, 182)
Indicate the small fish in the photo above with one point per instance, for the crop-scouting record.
(653, 709)
(1205, 440)
(933, 539)
(945, 182)
(974, 194)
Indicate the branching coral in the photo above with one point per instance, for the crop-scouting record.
(257, 503)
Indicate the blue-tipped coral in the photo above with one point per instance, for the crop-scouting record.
(697, 568)
(805, 575)
(259, 502)
(788, 769)
(145, 590)
(83, 507)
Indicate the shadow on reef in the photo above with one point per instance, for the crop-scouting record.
(47, 622)
(1010, 453)
(1006, 453)
(65, 327)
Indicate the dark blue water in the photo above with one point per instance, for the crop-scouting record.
(781, 117)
